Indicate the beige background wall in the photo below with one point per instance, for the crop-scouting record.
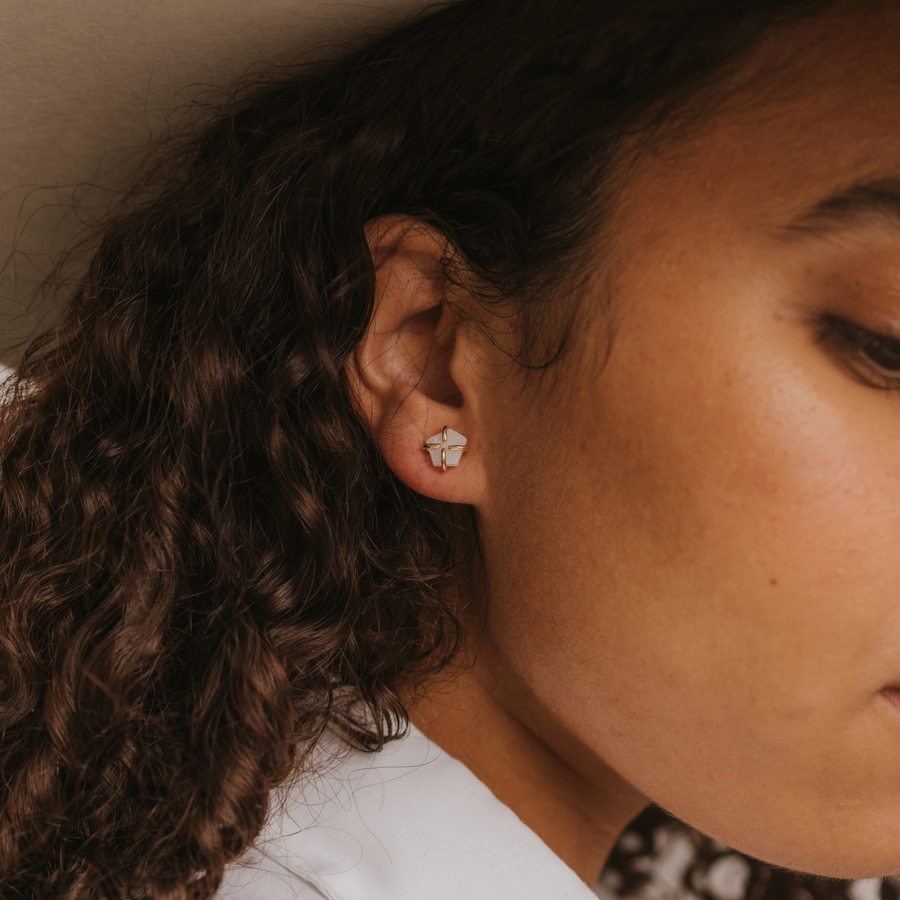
(85, 83)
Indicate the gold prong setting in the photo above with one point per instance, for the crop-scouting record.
(446, 449)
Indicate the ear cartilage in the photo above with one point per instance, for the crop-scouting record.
(446, 449)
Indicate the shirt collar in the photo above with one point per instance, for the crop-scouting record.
(407, 823)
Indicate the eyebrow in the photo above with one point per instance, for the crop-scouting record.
(864, 204)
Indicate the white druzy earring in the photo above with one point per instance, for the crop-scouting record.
(446, 449)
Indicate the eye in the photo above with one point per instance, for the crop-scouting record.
(884, 352)
(874, 357)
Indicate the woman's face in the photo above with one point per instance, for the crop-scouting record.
(694, 544)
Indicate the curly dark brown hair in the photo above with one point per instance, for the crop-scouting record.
(203, 558)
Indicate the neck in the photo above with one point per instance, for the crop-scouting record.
(561, 790)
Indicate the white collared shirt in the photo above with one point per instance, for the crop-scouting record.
(407, 823)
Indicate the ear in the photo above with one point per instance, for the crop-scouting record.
(413, 373)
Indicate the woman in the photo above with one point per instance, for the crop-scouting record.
(527, 374)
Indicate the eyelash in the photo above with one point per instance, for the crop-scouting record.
(857, 345)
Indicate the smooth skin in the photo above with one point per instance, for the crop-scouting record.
(693, 545)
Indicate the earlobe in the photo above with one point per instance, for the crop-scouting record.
(401, 374)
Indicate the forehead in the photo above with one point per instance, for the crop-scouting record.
(813, 110)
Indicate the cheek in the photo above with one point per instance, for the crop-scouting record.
(759, 484)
